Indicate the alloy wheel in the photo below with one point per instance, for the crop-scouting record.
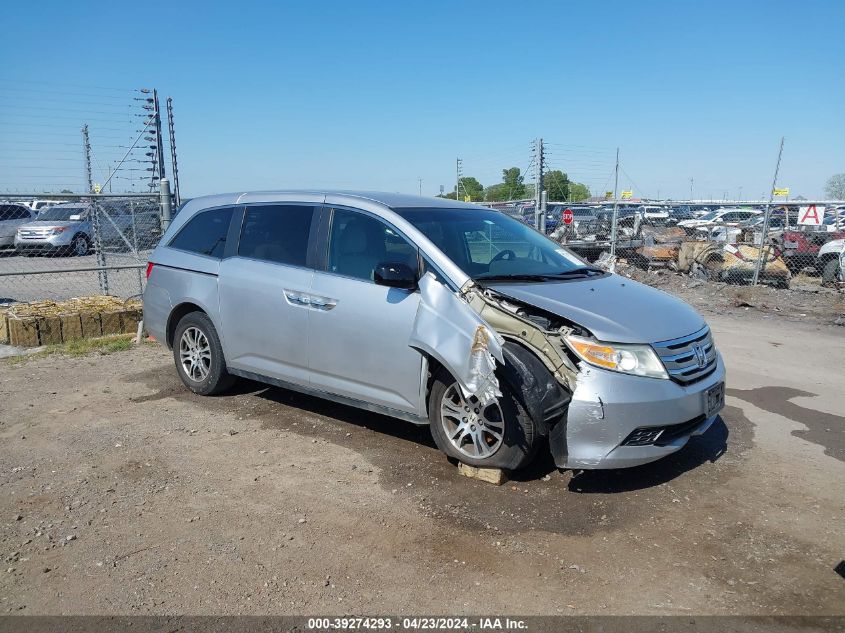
(80, 246)
(195, 354)
(474, 430)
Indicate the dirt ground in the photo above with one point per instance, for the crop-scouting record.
(122, 493)
(806, 300)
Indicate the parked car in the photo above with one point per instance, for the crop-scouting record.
(67, 229)
(728, 216)
(12, 215)
(38, 205)
(437, 312)
(802, 249)
(830, 260)
(751, 230)
(63, 229)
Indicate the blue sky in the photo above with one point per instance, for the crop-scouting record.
(376, 95)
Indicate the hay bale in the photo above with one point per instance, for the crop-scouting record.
(91, 325)
(4, 327)
(23, 331)
(110, 322)
(71, 326)
(49, 330)
(130, 319)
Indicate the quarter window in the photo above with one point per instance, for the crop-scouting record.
(358, 243)
(277, 233)
(205, 233)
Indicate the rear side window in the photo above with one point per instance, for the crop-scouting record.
(276, 233)
(13, 212)
(205, 233)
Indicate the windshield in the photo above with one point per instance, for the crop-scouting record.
(60, 213)
(710, 215)
(486, 244)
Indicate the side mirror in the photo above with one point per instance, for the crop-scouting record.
(395, 275)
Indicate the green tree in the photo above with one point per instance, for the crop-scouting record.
(834, 189)
(556, 183)
(578, 191)
(472, 188)
(514, 183)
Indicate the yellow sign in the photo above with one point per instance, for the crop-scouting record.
(608, 195)
(782, 192)
(97, 187)
(627, 195)
(467, 198)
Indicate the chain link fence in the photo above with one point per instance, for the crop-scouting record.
(78, 246)
(740, 246)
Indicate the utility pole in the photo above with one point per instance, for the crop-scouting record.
(159, 140)
(458, 167)
(615, 215)
(766, 217)
(173, 165)
(539, 212)
(86, 152)
(420, 179)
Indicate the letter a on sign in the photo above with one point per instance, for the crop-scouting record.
(812, 215)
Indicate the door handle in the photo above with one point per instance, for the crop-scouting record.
(305, 300)
(323, 303)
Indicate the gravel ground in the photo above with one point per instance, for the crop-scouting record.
(122, 493)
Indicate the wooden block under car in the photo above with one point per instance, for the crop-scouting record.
(71, 326)
(49, 330)
(110, 322)
(23, 332)
(91, 326)
(495, 476)
(130, 319)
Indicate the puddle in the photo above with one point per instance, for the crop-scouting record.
(825, 429)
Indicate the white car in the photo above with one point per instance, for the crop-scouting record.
(38, 205)
(722, 217)
(831, 260)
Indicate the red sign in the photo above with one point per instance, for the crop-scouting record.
(567, 216)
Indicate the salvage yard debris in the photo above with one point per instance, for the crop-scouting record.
(49, 322)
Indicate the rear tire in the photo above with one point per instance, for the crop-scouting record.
(513, 450)
(199, 356)
(830, 272)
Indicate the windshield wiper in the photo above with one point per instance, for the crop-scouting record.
(581, 271)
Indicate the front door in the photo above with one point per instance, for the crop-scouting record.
(359, 335)
(263, 314)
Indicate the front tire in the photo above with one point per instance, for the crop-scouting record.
(199, 356)
(80, 246)
(500, 435)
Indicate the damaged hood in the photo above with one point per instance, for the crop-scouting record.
(615, 309)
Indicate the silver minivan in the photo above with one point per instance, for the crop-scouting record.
(436, 312)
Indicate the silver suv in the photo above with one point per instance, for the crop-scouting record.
(12, 215)
(435, 312)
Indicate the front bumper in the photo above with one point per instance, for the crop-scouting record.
(62, 240)
(607, 407)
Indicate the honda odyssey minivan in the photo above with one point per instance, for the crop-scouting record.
(434, 312)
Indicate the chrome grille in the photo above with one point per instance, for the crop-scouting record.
(688, 358)
(30, 234)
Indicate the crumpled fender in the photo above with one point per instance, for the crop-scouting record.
(449, 330)
(543, 397)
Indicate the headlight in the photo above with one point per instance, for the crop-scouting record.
(59, 229)
(639, 360)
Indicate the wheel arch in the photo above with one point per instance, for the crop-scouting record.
(176, 315)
